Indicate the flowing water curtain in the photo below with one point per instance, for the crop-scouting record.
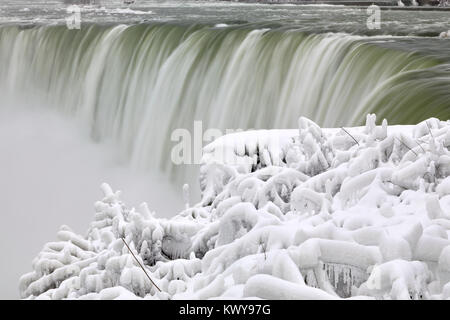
(134, 85)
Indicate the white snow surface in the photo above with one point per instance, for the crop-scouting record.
(285, 214)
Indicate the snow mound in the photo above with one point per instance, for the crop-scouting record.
(285, 214)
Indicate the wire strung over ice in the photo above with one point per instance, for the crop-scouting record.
(285, 214)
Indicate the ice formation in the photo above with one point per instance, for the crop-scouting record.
(285, 214)
(444, 34)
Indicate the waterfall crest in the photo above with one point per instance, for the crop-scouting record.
(135, 84)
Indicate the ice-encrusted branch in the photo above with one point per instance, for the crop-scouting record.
(140, 265)
(405, 145)
(356, 141)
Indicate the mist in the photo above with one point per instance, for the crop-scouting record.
(50, 175)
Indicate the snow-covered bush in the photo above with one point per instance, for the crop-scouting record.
(291, 214)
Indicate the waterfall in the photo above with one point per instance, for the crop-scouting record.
(134, 85)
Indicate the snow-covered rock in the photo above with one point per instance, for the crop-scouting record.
(444, 34)
(292, 214)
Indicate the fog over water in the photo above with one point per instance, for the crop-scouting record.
(51, 173)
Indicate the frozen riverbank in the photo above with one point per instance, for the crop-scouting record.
(393, 4)
(277, 2)
(290, 214)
